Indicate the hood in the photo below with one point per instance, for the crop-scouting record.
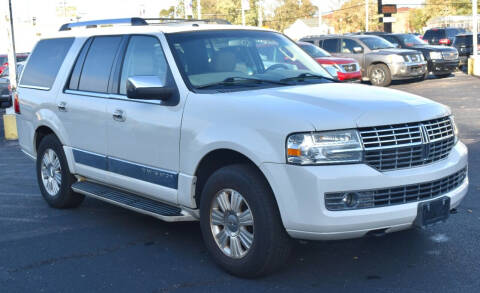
(339, 106)
(394, 51)
(431, 48)
(335, 60)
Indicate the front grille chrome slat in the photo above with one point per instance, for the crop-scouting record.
(401, 194)
(391, 147)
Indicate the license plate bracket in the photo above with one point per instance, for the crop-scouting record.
(432, 212)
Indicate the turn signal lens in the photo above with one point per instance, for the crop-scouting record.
(16, 104)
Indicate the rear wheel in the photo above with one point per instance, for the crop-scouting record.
(380, 75)
(53, 176)
(241, 224)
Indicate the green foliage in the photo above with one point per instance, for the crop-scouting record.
(351, 17)
(289, 11)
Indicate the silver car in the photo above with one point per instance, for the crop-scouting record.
(380, 60)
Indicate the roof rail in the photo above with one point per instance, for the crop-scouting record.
(95, 23)
(134, 21)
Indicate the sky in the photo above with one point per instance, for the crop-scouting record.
(48, 14)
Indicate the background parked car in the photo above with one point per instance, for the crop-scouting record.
(441, 60)
(442, 36)
(464, 44)
(379, 60)
(4, 60)
(5, 88)
(343, 69)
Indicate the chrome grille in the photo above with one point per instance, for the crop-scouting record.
(400, 194)
(449, 55)
(352, 67)
(407, 145)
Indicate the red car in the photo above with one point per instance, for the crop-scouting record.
(4, 60)
(343, 69)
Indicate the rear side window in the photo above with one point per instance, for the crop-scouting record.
(438, 34)
(331, 45)
(43, 66)
(96, 69)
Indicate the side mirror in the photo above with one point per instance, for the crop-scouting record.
(148, 88)
(357, 50)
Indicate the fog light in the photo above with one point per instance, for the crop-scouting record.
(350, 199)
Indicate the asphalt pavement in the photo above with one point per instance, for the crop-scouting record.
(102, 248)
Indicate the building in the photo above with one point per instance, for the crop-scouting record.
(307, 26)
(463, 21)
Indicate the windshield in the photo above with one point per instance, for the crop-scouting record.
(411, 40)
(375, 43)
(238, 58)
(314, 51)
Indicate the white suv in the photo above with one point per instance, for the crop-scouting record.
(236, 127)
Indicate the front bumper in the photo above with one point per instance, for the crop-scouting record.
(300, 190)
(349, 76)
(407, 70)
(443, 66)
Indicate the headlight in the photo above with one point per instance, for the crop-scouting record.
(436, 55)
(396, 59)
(332, 69)
(329, 147)
(455, 129)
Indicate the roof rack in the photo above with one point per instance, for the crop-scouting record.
(136, 21)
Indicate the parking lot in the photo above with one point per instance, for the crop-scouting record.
(99, 247)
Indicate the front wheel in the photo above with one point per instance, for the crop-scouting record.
(380, 75)
(53, 176)
(241, 224)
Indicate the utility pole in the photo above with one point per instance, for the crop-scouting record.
(366, 15)
(475, 27)
(199, 10)
(260, 13)
(12, 60)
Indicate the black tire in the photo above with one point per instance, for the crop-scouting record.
(65, 197)
(271, 245)
(424, 77)
(443, 75)
(386, 80)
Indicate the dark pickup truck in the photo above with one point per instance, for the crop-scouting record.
(464, 44)
(441, 60)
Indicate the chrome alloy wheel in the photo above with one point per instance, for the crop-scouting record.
(378, 76)
(51, 172)
(231, 222)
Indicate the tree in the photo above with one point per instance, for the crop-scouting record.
(351, 17)
(289, 11)
(168, 13)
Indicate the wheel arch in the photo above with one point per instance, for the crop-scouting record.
(218, 158)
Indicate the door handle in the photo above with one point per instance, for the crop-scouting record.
(118, 115)
(62, 106)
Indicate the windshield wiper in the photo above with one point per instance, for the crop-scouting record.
(304, 76)
(236, 80)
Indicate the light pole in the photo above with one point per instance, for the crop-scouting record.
(12, 62)
(366, 15)
(475, 27)
(199, 10)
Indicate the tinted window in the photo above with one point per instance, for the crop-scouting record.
(144, 57)
(466, 40)
(98, 64)
(314, 51)
(376, 43)
(391, 39)
(331, 45)
(3, 60)
(348, 45)
(430, 34)
(45, 62)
